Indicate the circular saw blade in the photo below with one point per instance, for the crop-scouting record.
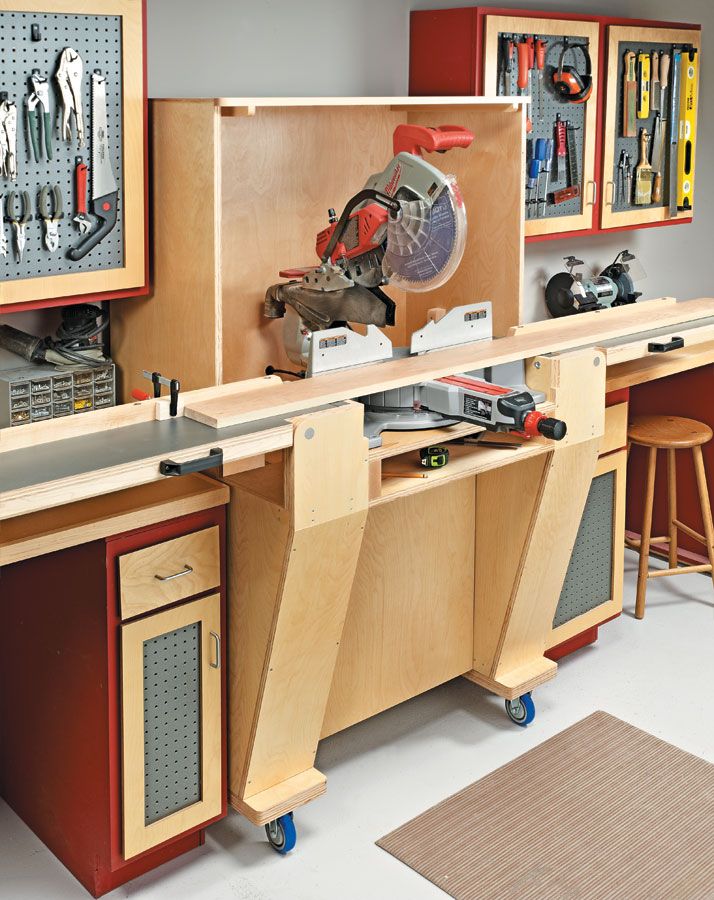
(425, 243)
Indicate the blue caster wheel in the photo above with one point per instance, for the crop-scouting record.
(281, 833)
(521, 711)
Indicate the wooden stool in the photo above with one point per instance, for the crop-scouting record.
(670, 433)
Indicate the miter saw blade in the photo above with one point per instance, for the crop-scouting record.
(425, 243)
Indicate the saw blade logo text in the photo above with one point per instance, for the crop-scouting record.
(391, 185)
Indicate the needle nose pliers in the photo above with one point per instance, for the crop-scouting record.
(51, 213)
(19, 222)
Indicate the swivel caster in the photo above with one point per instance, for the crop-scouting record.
(521, 711)
(281, 833)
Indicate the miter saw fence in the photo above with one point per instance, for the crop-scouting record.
(574, 291)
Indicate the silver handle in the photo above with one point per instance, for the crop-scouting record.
(594, 199)
(217, 639)
(609, 192)
(185, 571)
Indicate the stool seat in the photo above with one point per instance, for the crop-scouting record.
(668, 432)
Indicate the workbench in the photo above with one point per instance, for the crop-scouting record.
(349, 591)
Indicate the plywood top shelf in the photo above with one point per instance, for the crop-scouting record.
(227, 103)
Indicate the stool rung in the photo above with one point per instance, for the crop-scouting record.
(690, 531)
(680, 570)
(635, 544)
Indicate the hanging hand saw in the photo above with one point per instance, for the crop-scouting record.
(104, 187)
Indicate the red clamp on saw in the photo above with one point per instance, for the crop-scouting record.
(406, 228)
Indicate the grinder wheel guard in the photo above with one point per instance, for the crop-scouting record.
(425, 242)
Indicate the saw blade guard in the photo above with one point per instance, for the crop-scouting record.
(426, 240)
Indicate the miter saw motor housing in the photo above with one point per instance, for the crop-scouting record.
(572, 292)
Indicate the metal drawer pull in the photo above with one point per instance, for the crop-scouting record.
(217, 639)
(185, 571)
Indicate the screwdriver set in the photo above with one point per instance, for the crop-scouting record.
(555, 72)
(62, 72)
(655, 142)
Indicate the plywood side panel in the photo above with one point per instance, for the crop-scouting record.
(409, 624)
(177, 330)
(283, 168)
(490, 177)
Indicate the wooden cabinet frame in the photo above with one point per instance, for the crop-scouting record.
(617, 34)
(137, 835)
(497, 24)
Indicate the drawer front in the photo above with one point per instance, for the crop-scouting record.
(173, 570)
(615, 435)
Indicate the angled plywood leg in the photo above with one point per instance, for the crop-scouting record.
(527, 521)
(292, 561)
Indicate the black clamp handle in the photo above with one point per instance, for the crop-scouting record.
(674, 343)
(214, 458)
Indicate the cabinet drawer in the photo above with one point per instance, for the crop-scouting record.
(173, 570)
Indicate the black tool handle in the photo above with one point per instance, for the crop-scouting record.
(674, 343)
(169, 467)
(105, 208)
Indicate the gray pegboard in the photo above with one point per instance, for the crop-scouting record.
(588, 582)
(172, 722)
(98, 40)
(544, 119)
(631, 145)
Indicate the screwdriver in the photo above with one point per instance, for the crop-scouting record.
(523, 74)
(546, 165)
(532, 183)
(530, 41)
(540, 49)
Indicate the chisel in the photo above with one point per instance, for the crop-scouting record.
(654, 81)
(643, 74)
(629, 94)
(656, 159)
(673, 132)
(663, 82)
(643, 173)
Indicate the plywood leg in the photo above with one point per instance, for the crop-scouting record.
(291, 574)
(672, 493)
(705, 503)
(643, 570)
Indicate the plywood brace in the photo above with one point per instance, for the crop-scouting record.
(291, 572)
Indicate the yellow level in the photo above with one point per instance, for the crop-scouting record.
(687, 129)
(643, 72)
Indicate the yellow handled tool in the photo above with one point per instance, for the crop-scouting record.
(643, 72)
(687, 128)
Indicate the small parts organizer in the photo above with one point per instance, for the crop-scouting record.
(72, 151)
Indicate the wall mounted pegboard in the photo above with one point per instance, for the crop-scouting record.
(109, 37)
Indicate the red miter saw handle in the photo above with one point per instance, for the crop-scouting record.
(415, 138)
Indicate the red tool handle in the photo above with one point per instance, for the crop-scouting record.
(522, 65)
(540, 49)
(80, 175)
(530, 42)
(560, 137)
(415, 138)
(136, 394)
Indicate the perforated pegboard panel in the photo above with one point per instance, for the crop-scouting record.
(172, 722)
(98, 40)
(543, 119)
(631, 145)
(589, 577)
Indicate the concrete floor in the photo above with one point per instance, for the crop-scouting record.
(656, 674)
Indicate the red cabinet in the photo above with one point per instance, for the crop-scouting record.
(466, 51)
(112, 696)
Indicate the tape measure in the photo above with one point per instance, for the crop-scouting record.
(434, 457)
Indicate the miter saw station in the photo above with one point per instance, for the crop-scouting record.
(407, 228)
(574, 291)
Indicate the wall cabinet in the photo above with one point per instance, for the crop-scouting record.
(466, 51)
(121, 764)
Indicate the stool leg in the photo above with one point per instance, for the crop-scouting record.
(645, 535)
(704, 501)
(672, 491)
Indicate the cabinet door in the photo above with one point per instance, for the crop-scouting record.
(618, 208)
(171, 723)
(592, 590)
(577, 169)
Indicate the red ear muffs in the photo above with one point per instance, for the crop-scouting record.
(569, 84)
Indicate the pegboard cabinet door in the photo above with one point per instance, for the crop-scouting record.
(576, 214)
(171, 723)
(616, 212)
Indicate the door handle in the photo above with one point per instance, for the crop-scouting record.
(594, 199)
(609, 192)
(217, 639)
(185, 571)
(674, 343)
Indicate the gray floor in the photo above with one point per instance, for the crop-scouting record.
(657, 674)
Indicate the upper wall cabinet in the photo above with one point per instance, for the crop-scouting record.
(612, 117)
(72, 152)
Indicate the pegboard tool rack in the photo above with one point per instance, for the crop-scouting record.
(110, 37)
(448, 56)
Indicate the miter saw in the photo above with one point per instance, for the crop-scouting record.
(407, 228)
(574, 291)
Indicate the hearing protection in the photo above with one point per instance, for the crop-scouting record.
(569, 84)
